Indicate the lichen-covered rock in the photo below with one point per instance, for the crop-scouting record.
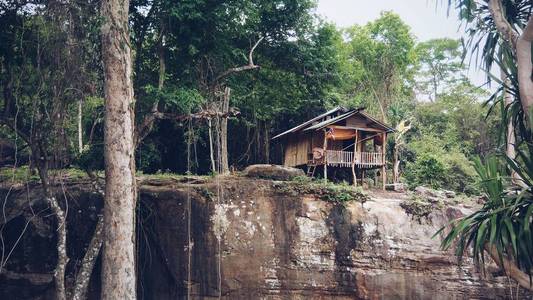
(274, 172)
(430, 194)
(243, 238)
(297, 246)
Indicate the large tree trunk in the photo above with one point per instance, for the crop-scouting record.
(118, 259)
(525, 67)
(224, 162)
(521, 44)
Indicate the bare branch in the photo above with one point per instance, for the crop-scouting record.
(250, 55)
(249, 66)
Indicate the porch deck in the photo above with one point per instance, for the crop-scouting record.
(337, 158)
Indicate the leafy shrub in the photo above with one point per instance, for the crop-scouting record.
(92, 157)
(148, 158)
(338, 193)
(425, 170)
(460, 175)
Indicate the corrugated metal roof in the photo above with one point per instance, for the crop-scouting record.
(387, 127)
(308, 124)
(333, 120)
(296, 128)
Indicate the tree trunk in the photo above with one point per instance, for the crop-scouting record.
(162, 64)
(62, 258)
(257, 141)
(521, 44)
(509, 268)
(211, 148)
(525, 68)
(266, 142)
(41, 159)
(224, 164)
(80, 126)
(396, 163)
(89, 259)
(510, 140)
(118, 259)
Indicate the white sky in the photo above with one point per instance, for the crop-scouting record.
(428, 19)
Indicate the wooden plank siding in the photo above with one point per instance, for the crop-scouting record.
(299, 146)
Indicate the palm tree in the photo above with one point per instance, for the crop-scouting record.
(503, 31)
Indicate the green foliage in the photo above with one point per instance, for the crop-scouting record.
(460, 174)
(504, 221)
(338, 193)
(426, 170)
(446, 135)
(91, 158)
(379, 59)
(148, 158)
(20, 174)
(440, 66)
(181, 100)
(441, 169)
(23, 174)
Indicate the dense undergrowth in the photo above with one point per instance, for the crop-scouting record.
(338, 193)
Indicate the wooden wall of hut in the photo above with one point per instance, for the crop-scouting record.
(299, 146)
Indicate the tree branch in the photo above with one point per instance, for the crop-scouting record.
(34, 278)
(249, 66)
(144, 129)
(89, 259)
(502, 25)
(525, 67)
(509, 268)
(521, 46)
(11, 125)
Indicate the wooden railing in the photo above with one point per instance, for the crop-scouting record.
(337, 158)
(369, 158)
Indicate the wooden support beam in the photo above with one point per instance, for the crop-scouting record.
(384, 166)
(325, 156)
(354, 158)
(357, 128)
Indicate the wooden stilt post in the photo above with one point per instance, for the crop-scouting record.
(354, 159)
(384, 166)
(325, 156)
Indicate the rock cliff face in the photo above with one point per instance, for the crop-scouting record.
(255, 239)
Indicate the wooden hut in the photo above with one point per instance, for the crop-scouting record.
(346, 138)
